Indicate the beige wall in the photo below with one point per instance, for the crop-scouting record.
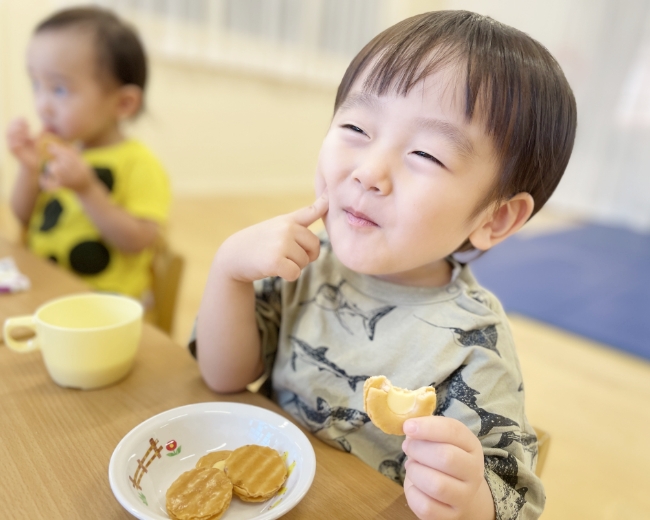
(17, 18)
(227, 133)
(216, 132)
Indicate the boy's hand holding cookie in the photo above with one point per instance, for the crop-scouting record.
(23, 146)
(282, 246)
(444, 470)
(67, 169)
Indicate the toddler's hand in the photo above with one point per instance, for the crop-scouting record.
(282, 246)
(444, 469)
(66, 169)
(22, 145)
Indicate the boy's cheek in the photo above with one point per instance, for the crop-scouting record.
(319, 184)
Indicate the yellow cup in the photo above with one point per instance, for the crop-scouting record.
(87, 340)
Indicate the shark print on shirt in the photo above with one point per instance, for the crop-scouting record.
(317, 357)
(332, 298)
(394, 468)
(486, 337)
(527, 440)
(508, 500)
(460, 391)
(327, 422)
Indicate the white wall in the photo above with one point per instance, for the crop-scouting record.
(17, 18)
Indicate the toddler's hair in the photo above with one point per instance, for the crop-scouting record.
(120, 53)
(511, 83)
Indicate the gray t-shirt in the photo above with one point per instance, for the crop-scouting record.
(325, 333)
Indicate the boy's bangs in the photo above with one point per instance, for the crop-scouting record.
(399, 68)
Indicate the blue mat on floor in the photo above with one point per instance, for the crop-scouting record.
(593, 281)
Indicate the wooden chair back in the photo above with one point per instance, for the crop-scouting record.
(167, 269)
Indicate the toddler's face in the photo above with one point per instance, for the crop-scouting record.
(71, 101)
(404, 174)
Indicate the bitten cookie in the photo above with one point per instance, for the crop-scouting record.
(389, 406)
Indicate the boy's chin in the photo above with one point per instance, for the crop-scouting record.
(353, 259)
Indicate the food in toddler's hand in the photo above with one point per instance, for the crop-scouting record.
(389, 406)
(216, 459)
(199, 494)
(256, 472)
(43, 143)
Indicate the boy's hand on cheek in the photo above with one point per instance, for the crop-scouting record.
(282, 246)
(67, 169)
(444, 469)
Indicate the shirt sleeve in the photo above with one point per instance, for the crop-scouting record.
(486, 394)
(148, 193)
(268, 312)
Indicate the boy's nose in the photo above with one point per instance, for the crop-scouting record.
(374, 174)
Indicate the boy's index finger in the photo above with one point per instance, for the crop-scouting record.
(308, 215)
(436, 428)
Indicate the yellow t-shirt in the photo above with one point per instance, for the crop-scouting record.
(60, 230)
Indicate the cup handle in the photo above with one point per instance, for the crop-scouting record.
(18, 345)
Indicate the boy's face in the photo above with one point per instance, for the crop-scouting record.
(71, 101)
(404, 175)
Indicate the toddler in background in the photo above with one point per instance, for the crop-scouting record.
(449, 131)
(96, 207)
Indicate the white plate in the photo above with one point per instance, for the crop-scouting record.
(171, 442)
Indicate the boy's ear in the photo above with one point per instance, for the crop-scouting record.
(129, 101)
(505, 221)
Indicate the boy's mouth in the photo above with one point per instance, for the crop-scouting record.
(358, 219)
(50, 129)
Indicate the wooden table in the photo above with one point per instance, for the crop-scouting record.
(56, 443)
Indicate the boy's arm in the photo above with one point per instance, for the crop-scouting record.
(227, 339)
(24, 194)
(23, 147)
(118, 227)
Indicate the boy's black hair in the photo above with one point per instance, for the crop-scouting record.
(511, 82)
(120, 53)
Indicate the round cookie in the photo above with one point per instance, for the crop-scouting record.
(43, 143)
(389, 406)
(215, 459)
(256, 472)
(202, 493)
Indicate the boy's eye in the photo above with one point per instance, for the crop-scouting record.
(429, 157)
(60, 90)
(354, 128)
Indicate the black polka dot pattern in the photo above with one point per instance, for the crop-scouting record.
(105, 175)
(51, 215)
(90, 257)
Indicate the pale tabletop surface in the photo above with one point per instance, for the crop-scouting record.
(56, 443)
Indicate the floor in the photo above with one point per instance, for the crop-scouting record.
(593, 400)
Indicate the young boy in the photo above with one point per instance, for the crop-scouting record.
(449, 131)
(96, 207)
